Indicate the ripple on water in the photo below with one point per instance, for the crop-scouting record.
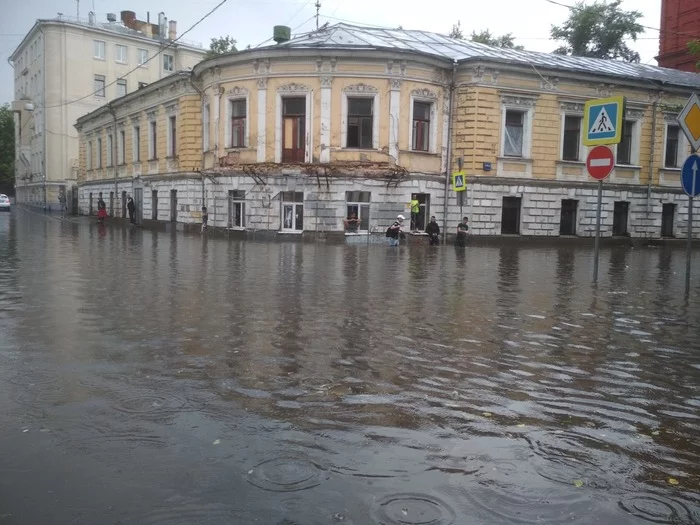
(413, 509)
(287, 474)
(189, 514)
(151, 405)
(36, 389)
(657, 508)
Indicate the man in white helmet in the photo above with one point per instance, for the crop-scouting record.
(393, 232)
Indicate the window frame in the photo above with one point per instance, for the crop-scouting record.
(293, 91)
(230, 101)
(682, 146)
(98, 45)
(117, 59)
(351, 201)
(432, 128)
(172, 63)
(110, 150)
(527, 128)
(139, 53)
(121, 82)
(376, 109)
(580, 146)
(99, 91)
(237, 198)
(635, 138)
(172, 137)
(206, 124)
(136, 144)
(121, 147)
(295, 203)
(152, 140)
(88, 155)
(99, 153)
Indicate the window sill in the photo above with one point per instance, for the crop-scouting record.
(628, 166)
(120, 62)
(170, 158)
(353, 234)
(359, 149)
(571, 162)
(290, 232)
(673, 170)
(515, 159)
(237, 148)
(153, 160)
(420, 152)
(99, 58)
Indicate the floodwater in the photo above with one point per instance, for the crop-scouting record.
(153, 378)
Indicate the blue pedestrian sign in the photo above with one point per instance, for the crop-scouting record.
(602, 121)
(690, 176)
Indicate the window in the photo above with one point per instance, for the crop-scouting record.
(89, 155)
(172, 136)
(110, 150)
(205, 127)
(154, 205)
(143, 56)
(672, 141)
(121, 87)
(292, 211)
(236, 209)
(152, 137)
(572, 137)
(99, 85)
(360, 121)
(620, 215)
(514, 131)
(99, 153)
(624, 148)
(121, 146)
(357, 208)
(98, 49)
(421, 126)
(567, 223)
(137, 144)
(238, 122)
(168, 62)
(120, 54)
(142, 84)
(668, 212)
(510, 217)
(293, 129)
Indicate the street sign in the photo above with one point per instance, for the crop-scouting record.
(600, 162)
(689, 120)
(602, 121)
(690, 175)
(459, 181)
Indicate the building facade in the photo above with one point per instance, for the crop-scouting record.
(680, 24)
(346, 122)
(65, 68)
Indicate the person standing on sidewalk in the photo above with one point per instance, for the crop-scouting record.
(101, 210)
(433, 230)
(62, 203)
(131, 208)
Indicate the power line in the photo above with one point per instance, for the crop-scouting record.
(170, 44)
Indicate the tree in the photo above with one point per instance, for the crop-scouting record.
(221, 46)
(457, 31)
(7, 149)
(599, 30)
(694, 47)
(485, 37)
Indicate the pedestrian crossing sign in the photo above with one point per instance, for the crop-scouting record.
(602, 121)
(459, 181)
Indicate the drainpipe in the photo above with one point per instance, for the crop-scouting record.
(651, 155)
(110, 107)
(448, 162)
(201, 107)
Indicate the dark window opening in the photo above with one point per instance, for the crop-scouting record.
(173, 205)
(515, 123)
(421, 126)
(572, 137)
(672, 134)
(293, 129)
(567, 225)
(620, 217)
(624, 148)
(238, 122)
(667, 218)
(360, 122)
(236, 209)
(154, 205)
(124, 205)
(510, 220)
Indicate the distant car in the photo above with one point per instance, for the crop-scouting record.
(4, 202)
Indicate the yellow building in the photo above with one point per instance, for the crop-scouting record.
(300, 136)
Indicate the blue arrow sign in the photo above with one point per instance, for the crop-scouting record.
(690, 176)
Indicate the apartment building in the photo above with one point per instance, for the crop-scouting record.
(67, 67)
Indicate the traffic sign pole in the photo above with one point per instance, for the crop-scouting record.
(689, 246)
(599, 163)
(597, 232)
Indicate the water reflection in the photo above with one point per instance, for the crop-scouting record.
(208, 379)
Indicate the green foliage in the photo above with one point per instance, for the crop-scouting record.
(694, 48)
(7, 149)
(599, 30)
(221, 46)
(485, 37)
(457, 31)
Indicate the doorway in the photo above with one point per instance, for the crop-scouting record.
(292, 211)
(567, 224)
(123, 205)
(90, 205)
(138, 202)
(173, 205)
(620, 216)
(111, 204)
(418, 220)
(510, 220)
(154, 205)
(668, 214)
(293, 129)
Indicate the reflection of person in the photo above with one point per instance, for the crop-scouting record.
(131, 207)
(433, 230)
(101, 209)
(352, 223)
(394, 231)
(462, 229)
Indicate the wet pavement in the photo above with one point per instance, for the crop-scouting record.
(152, 378)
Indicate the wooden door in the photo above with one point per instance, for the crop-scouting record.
(293, 129)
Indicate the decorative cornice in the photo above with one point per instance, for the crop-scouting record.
(171, 108)
(360, 88)
(326, 82)
(671, 117)
(293, 87)
(262, 83)
(549, 83)
(150, 115)
(518, 100)
(424, 93)
(634, 113)
(396, 84)
(135, 118)
(237, 91)
(478, 73)
(572, 107)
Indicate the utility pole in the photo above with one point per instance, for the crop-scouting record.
(318, 7)
(78, 9)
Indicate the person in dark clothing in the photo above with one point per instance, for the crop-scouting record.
(462, 232)
(205, 218)
(433, 230)
(101, 209)
(131, 207)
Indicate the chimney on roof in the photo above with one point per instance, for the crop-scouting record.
(111, 17)
(281, 34)
(172, 30)
(91, 18)
(128, 19)
(162, 24)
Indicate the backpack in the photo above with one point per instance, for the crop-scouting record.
(391, 233)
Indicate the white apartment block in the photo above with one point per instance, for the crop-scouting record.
(67, 67)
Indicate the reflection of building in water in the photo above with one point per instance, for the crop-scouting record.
(294, 137)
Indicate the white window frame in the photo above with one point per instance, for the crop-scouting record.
(152, 144)
(99, 49)
(172, 62)
(636, 141)
(136, 143)
(121, 82)
(103, 92)
(375, 117)
(139, 56)
(172, 136)
(284, 203)
(527, 129)
(682, 147)
(360, 205)
(234, 202)
(117, 58)
(581, 145)
(88, 155)
(293, 91)
(432, 139)
(110, 150)
(227, 131)
(99, 153)
(206, 123)
(121, 147)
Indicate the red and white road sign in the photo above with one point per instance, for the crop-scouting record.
(600, 162)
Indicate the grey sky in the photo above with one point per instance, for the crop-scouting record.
(251, 21)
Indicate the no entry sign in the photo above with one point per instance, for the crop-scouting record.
(600, 162)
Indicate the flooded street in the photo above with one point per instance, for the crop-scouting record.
(157, 378)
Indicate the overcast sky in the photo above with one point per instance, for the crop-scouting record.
(251, 21)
